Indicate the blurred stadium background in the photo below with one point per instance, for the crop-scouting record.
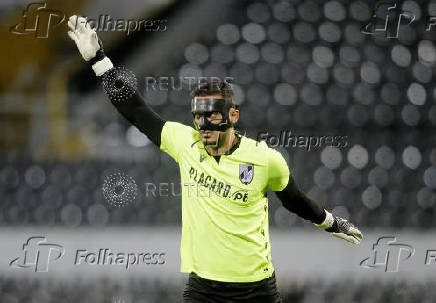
(296, 65)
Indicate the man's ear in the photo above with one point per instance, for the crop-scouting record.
(234, 115)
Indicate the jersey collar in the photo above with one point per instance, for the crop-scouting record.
(229, 152)
(234, 147)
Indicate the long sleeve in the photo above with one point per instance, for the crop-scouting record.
(121, 87)
(297, 202)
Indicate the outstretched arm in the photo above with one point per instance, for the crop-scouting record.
(297, 202)
(118, 83)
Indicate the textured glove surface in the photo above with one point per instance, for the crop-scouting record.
(343, 229)
(84, 36)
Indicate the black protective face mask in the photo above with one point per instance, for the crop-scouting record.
(205, 107)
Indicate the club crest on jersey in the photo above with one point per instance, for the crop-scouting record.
(246, 172)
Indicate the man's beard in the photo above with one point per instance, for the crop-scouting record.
(215, 144)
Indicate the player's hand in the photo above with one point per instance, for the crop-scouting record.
(84, 36)
(89, 45)
(341, 228)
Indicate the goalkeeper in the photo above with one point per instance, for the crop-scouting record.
(225, 244)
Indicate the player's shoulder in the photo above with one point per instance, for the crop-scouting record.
(179, 131)
(262, 152)
(259, 147)
(178, 127)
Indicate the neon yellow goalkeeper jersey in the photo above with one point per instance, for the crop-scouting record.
(225, 234)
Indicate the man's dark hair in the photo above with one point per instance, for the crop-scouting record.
(214, 88)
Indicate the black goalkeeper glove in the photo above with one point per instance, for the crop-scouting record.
(340, 228)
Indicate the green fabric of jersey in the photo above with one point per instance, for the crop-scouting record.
(225, 235)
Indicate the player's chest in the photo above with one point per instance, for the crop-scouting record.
(240, 180)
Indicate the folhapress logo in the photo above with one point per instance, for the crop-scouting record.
(387, 18)
(38, 254)
(38, 20)
(387, 254)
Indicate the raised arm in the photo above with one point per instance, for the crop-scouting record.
(118, 83)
